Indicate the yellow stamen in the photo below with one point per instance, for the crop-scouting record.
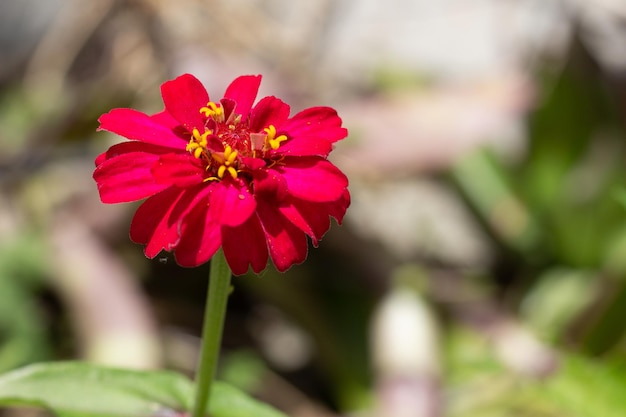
(233, 172)
(230, 155)
(198, 142)
(271, 131)
(271, 139)
(213, 110)
(226, 161)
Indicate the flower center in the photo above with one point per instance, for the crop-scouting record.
(236, 139)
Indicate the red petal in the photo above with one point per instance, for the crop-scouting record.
(269, 184)
(317, 122)
(127, 177)
(304, 147)
(314, 218)
(200, 235)
(156, 222)
(179, 169)
(268, 111)
(166, 119)
(133, 146)
(231, 203)
(136, 125)
(228, 106)
(312, 132)
(243, 90)
(338, 208)
(245, 245)
(313, 179)
(287, 244)
(253, 163)
(183, 98)
(294, 216)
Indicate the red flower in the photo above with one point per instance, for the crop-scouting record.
(226, 173)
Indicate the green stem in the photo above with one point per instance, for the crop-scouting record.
(214, 314)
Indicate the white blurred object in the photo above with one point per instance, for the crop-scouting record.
(405, 349)
(429, 129)
(285, 345)
(446, 38)
(414, 218)
(603, 29)
(522, 352)
(111, 315)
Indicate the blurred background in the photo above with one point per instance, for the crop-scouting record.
(480, 271)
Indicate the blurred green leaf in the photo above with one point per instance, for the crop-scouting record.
(606, 331)
(481, 387)
(620, 196)
(559, 296)
(73, 389)
(584, 388)
(575, 162)
(244, 369)
(485, 184)
(22, 332)
(561, 130)
(615, 253)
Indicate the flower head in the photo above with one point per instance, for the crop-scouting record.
(228, 173)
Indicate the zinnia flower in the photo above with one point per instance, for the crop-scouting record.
(227, 173)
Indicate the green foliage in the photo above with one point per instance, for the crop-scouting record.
(243, 369)
(583, 388)
(558, 215)
(481, 386)
(556, 300)
(23, 337)
(73, 389)
(558, 221)
(574, 168)
(620, 195)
